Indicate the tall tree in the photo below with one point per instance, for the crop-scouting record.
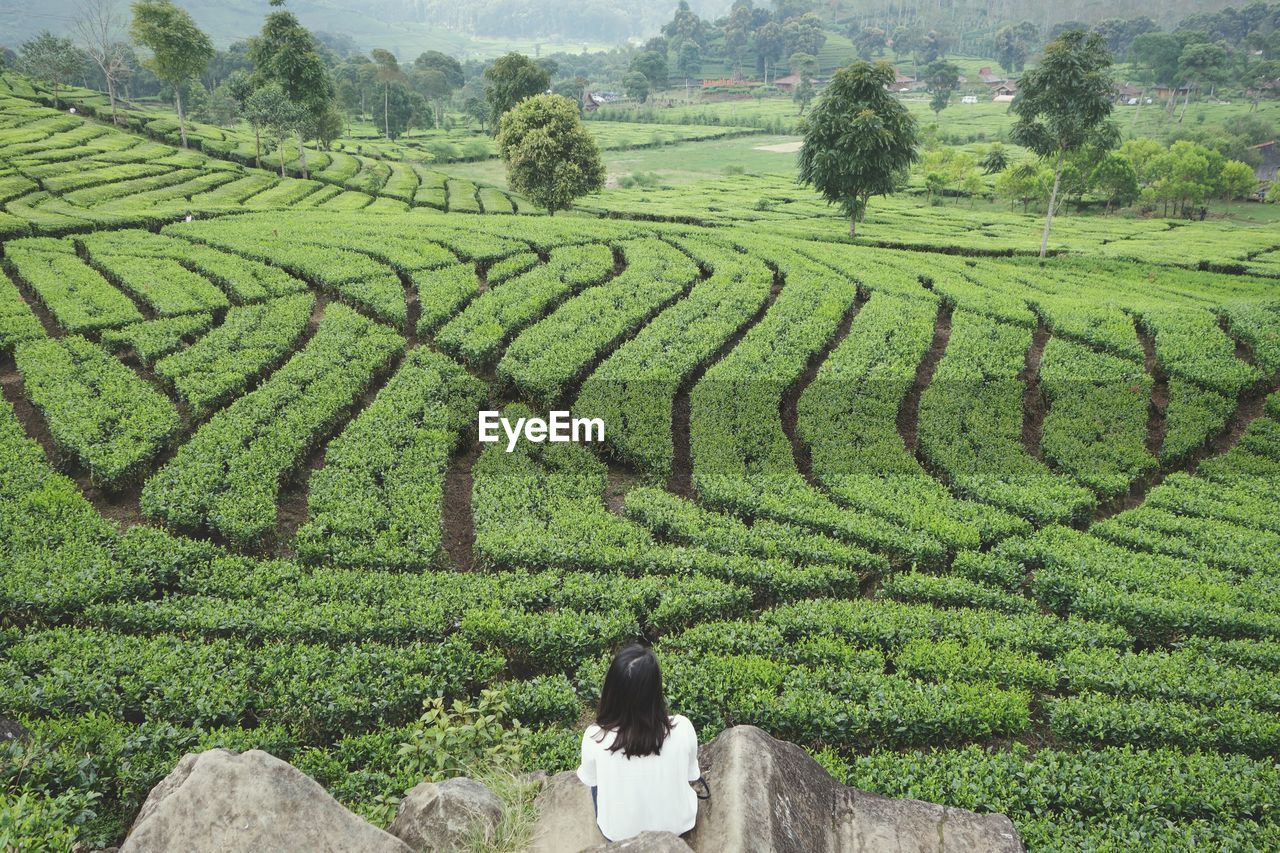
(1064, 104)
(868, 41)
(1014, 43)
(737, 33)
(1158, 53)
(769, 44)
(550, 157)
(636, 85)
(942, 78)
(859, 141)
(445, 64)
(995, 160)
(653, 66)
(511, 79)
(907, 41)
(804, 34)
(100, 26)
(1237, 181)
(935, 45)
(686, 26)
(51, 59)
(273, 117)
(436, 76)
(388, 72)
(286, 53)
(433, 86)
(806, 66)
(1200, 63)
(689, 60)
(1116, 179)
(180, 51)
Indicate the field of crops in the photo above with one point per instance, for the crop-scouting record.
(362, 143)
(979, 530)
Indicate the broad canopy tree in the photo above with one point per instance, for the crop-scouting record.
(180, 51)
(286, 53)
(859, 140)
(550, 156)
(942, 78)
(51, 59)
(511, 79)
(273, 116)
(1064, 104)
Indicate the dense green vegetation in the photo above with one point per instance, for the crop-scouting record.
(971, 526)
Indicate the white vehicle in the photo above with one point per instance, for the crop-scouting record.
(969, 99)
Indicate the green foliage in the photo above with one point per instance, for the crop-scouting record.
(942, 78)
(1014, 43)
(542, 361)
(822, 574)
(272, 115)
(971, 424)
(29, 821)
(460, 740)
(96, 408)
(77, 296)
(490, 321)
(251, 339)
(549, 155)
(636, 85)
(52, 59)
(653, 66)
(511, 79)
(1115, 178)
(995, 160)
(858, 140)
(257, 440)
(153, 339)
(180, 51)
(378, 500)
(1063, 104)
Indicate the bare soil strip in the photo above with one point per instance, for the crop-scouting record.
(909, 410)
(292, 503)
(681, 480)
(1250, 407)
(1156, 425)
(458, 526)
(789, 409)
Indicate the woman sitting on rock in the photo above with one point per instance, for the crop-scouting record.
(637, 759)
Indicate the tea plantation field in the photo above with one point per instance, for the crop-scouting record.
(972, 528)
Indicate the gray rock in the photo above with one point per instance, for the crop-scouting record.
(566, 818)
(443, 817)
(536, 778)
(646, 842)
(13, 730)
(770, 795)
(222, 802)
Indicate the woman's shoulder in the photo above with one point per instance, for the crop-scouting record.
(681, 723)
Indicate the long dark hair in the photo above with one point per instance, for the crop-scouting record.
(632, 705)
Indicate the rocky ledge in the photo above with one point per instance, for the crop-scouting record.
(766, 795)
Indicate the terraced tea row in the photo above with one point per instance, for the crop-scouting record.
(61, 173)
(880, 541)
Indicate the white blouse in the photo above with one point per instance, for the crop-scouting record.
(648, 792)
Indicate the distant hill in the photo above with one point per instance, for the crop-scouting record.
(480, 29)
(466, 30)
